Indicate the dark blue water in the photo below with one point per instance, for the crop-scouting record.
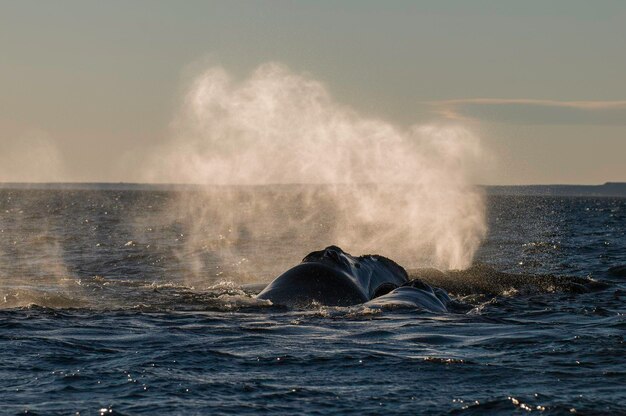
(106, 308)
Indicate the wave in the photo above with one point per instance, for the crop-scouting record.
(618, 271)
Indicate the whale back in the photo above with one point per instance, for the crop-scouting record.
(313, 283)
(333, 277)
(380, 275)
(415, 295)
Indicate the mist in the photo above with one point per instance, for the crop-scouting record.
(282, 160)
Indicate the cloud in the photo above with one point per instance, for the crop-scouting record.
(530, 111)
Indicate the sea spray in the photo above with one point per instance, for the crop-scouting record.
(33, 270)
(282, 160)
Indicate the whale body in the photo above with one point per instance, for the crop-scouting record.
(332, 277)
(413, 295)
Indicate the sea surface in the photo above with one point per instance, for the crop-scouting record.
(111, 304)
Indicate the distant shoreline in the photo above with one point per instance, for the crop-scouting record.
(610, 189)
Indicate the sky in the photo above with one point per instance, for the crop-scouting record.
(87, 88)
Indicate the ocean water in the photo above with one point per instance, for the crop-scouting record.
(111, 304)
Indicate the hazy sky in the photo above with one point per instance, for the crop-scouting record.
(87, 87)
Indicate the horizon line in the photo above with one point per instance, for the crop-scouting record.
(14, 183)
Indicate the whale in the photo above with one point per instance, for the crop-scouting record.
(414, 294)
(332, 277)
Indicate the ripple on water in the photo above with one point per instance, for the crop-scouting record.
(116, 329)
